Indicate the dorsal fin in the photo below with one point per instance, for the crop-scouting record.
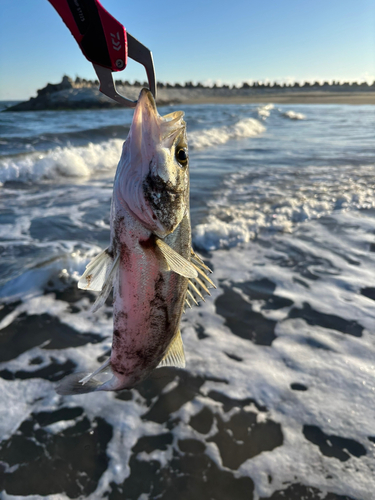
(175, 355)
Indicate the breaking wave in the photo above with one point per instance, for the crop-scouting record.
(103, 157)
(68, 161)
(293, 115)
(247, 127)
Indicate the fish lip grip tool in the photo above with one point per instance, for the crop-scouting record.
(105, 42)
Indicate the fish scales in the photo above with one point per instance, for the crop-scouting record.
(149, 262)
(146, 308)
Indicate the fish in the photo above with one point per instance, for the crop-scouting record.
(150, 263)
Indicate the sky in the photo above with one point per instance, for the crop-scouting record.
(197, 40)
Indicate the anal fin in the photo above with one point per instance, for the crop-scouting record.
(175, 355)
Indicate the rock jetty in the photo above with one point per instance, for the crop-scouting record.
(85, 94)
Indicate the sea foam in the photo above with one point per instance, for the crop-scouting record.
(278, 201)
(69, 161)
(247, 127)
(293, 115)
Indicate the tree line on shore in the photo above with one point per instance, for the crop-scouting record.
(68, 83)
(244, 85)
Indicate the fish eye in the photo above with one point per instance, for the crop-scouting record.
(182, 156)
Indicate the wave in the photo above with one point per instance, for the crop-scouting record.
(265, 111)
(68, 161)
(292, 115)
(247, 127)
(103, 157)
(83, 137)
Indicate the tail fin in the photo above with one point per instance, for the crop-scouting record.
(72, 385)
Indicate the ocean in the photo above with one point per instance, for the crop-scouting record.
(277, 399)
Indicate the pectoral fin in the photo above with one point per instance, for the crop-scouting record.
(175, 355)
(99, 276)
(107, 286)
(96, 272)
(175, 261)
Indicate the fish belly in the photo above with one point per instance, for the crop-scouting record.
(148, 304)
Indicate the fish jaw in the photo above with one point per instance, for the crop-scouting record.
(150, 181)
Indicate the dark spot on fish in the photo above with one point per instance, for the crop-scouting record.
(149, 243)
(164, 199)
(88, 279)
(125, 254)
(109, 253)
(116, 333)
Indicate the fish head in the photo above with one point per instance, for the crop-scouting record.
(153, 174)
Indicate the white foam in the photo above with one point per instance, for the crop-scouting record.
(265, 111)
(340, 381)
(280, 200)
(215, 233)
(293, 115)
(69, 161)
(247, 127)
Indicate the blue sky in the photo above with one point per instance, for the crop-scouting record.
(199, 40)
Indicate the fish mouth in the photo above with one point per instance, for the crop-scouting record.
(146, 100)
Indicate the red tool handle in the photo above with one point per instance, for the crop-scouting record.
(101, 37)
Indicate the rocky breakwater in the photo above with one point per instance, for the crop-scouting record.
(69, 94)
(84, 94)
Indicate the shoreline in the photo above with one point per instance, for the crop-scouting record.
(71, 96)
(351, 98)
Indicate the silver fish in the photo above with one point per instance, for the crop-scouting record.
(150, 262)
